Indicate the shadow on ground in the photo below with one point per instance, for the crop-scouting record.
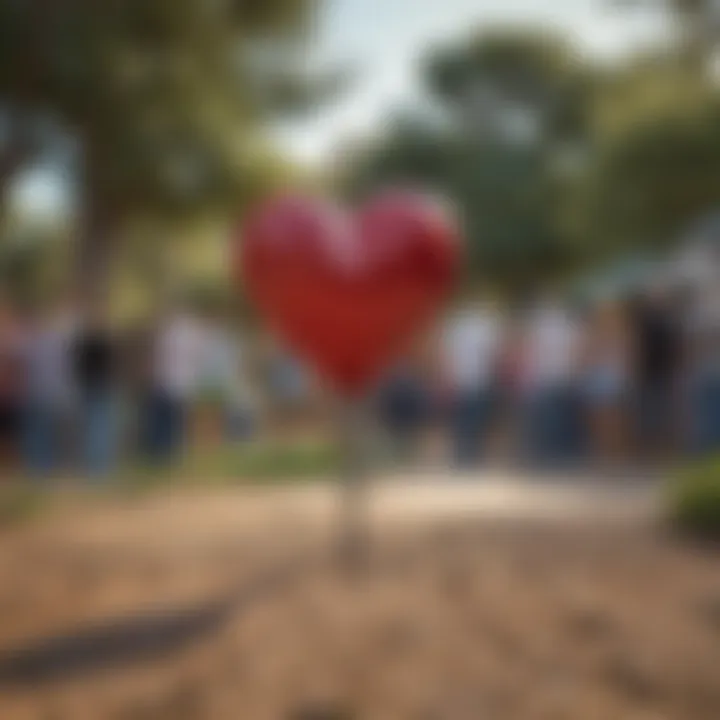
(138, 637)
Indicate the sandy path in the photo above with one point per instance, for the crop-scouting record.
(197, 516)
(221, 605)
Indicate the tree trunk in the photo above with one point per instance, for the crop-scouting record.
(98, 217)
(17, 151)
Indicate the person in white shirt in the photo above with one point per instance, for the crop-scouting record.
(177, 362)
(51, 392)
(178, 356)
(470, 348)
(551, 426)
(224, 373)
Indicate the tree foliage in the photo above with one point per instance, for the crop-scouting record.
(162, 96)
(658, 157)
(508, 68)
(144, 82)
(511, 102)
(557, 163)
(657, 177)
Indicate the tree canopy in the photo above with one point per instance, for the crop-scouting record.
(510, 103)
(163, 97)
(557, 162)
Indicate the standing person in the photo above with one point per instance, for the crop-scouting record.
(405, 406)
(51, 398)
(95, 364)
(703, 377)
(177, 360)
(658, 356)
(512, 368)
(605, 367)
(550, 425)
(217, 374)
(12, 385)
(291, 391)
(470, 351)
(137, 365)
(242, 416)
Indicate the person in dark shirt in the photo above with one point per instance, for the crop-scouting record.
(12, 383)
(404, 408)
(702, 436)
(658, 345)
(94, 360)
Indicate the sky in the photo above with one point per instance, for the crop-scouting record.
(380, 41)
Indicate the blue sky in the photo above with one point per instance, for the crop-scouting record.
(382, 39)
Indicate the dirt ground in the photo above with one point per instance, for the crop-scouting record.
(209, 608)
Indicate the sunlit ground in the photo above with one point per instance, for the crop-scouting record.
(224, 603)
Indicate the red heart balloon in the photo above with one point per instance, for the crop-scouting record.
(347, 293)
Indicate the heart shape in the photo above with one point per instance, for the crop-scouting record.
(347, 293)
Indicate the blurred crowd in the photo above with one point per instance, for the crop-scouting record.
(78, 395)
(610, 383)
(625, 380)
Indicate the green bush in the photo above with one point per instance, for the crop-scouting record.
(695, 499)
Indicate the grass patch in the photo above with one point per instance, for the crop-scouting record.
(19, 505)
(694, 499)
(256, 462)
(282, 462)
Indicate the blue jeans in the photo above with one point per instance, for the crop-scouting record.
(552, 425)
(239, 424)
(40, 438)
(704, 411)
(471, 413)
(98, 431)
(47, 430)
(163, 422)
(404, 411)
(656, 414)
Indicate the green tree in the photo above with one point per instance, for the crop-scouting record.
(656, 178)
(696, 26)
(512, 105)
(504, 74)
(657, 159)
(162, 96)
